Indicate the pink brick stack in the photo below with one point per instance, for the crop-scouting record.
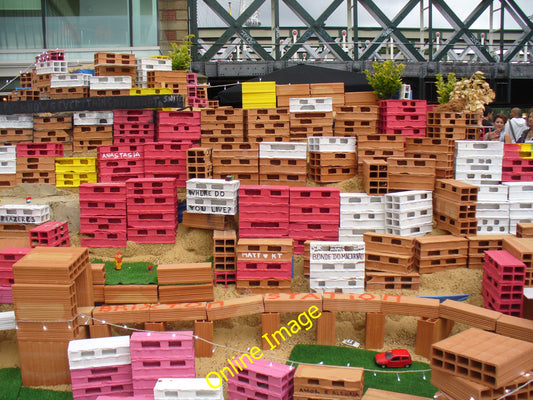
(50, 234)
(178, 126)
(90, 383)
(503, 282)
(166, 160)
(403, 117)
(118, 163)
(157, 355)
(262, 380)
(132, 127)
(516, 167)
(195, 98)
(103, 214)
(8, 257)
(152, 205)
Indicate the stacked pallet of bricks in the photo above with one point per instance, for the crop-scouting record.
(264, 265)
(521, 248)
(360, 213)
(267, 125)
(334, 90)
(24, 214)
(225, 256)
(440, 253)
(118, 72)
(283, 164)
(178, 126)
(8, 165)
(26, 79)
(133, 127)
(73, 171)
(314, 213)
(351, 120)
(410, 173)
(69, 86)
(51, 234)
(199, 163)
(166, 160)
(51, 283)
(470, 365)
(492, 210)
(285, 92)
(440, 150)
(103, 220)
(311, 116)
(239, 160)
(520, 204)
(451, 125)
(187, 388)
(92, 129)
(118, 163)
(175, 80)
(455, 207)
(378, 147)
(375, 177)
(408, 213)
(50, 55)
(517, 162)
(24, 94)
(16, 128)
(337, 267)
(403, 117)
(223, 124)
(503, 282)
(479, 244)
(104, 86)
(36, 162)
(258, 95)
(56, 129)
(478, 162)
(100, 367)
(324, 381)
(160, 354)
(152, 206)
(524, 229)
(331, 159)
(273, 220)
(261, 379)
(149, 64)
(8, 257)
(179, 283)
(196, 94)
(44, 70)
(390, 262)
(212, 196)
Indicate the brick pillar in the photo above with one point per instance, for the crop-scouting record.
(173, 23)
(203, 329)
(270, 322)
(325, 329)
(375, 330)
(429, 331)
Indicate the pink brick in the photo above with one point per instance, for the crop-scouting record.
(264, 270)
(124, 398)
(262, 373)
(6, 296)
(240, 390)
(504, 258)
(161, 345)
(93, 393)
(173, 367)
(101, 376)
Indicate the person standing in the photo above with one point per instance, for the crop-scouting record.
(514, 127)
(499, 123)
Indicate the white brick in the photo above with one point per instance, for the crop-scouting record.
(153, 64)
(99, 352)
(187, 389)
(492, 209)
(520, 190)
(7, 321)
(70, 80)
(310, 104)
(361, 202)
(110, 82)
(212, 206)
(19, 121)
(24, 214)
(51, 67)
(283, 150)
(471, 148)
(326, 144)
(492, 226)
(489, 193)
(93, 118)
(8, 166)
(413, 231)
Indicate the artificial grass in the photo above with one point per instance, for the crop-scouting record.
(132, 273)
(11, 388)
(410, 383)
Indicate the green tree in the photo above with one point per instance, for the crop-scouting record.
(386, 78)
(444, 89)
(181, 54)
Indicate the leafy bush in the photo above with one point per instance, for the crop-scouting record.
(386, 78)
(181, 54)
(445, 88)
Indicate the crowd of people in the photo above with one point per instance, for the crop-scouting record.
(518, 128)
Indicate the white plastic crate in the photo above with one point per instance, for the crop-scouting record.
(70, 80)
(519, 191)
(362, 220)
(327, 144)
(153, 64)
(489, 193)
(51, 67)
(337, 285)
(492, 209)
(19, 121)
(413, 231)
(187, 389)
(492, 226)
(8, 166)
(7, 321)
(471, 148)
(99, 352)
(361, 202)
(93, 118)
(283, 150)
(310, 104)
(110, 82)
(24, 214)
(212, 188)
(212, 206)
(8, 152)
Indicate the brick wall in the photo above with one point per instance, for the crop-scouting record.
(173, 23)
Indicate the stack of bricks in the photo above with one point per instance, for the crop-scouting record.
(267, 125)
(99, 277)
(45, 69)
(50, 234)
(24, 214)
(325, 381)
(114, 64)
(285, 92)
(8, 257)
(36, 162)
(133, 127)
(225, 256)
(273, 220)
(264, 265)
(92, 129)
(261, 379)
(199, 163)
(455, 126)
(26, 79)
(258, 95)
(520, 204)
(337, 267)
(356, 120)
(69, 86)
(470, 365)
(517, 164)
(212, 196)
(175, 80)
(310, 117)
(24, 94)
(160, 354)
(100, 367)
(73, 171)
(283, 164)
(408, 213)
(179, 283)
(8, 165)
(196, 94)
(105, 86)
(524, 230)
(16, 128)
(478, 245)
(238, 159)
(51, 283)
(441, 150)
(152, 206)
(403, 117)
(166, 160)
(521, 248)
(492, 210)
(455, 207)
(183, 388)
(103, 219)
(390, 262)
(478, 162)
(410, 173)
(331, 159)
(334, 90)
(378, 147)
(118, 163)
(360, 213)
(56, 129)
(223, 124)
(440, 253)
(503, 282)
(375, 177)
(146, 64)
(178, 126)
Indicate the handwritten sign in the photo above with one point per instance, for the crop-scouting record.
(119, 155)
(19, 219)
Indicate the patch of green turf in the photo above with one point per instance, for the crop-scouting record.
(410, 383)
(132, 273)
(10, 383)
(33, 394)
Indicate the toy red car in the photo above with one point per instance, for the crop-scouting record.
(397, 358)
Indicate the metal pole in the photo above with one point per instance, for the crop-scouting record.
(275, 29)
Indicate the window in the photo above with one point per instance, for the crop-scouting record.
(21, 24)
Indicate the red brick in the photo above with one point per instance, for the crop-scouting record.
(170, 35)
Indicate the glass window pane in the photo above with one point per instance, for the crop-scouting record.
(144, 22)
(21, 24)
(87, 23)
